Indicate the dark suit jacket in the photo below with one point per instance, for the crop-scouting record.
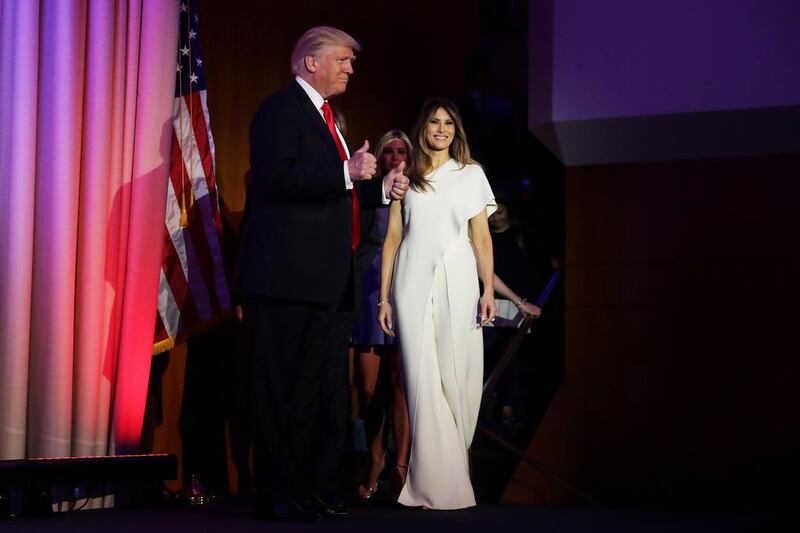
(367, 247)
(298, 222)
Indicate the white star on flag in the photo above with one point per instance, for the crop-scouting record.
(193, 78)
(185, 51)
(192, 34)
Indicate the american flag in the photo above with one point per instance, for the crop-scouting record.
(193, 287)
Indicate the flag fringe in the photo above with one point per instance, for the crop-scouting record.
(163, 345)
(198, 329)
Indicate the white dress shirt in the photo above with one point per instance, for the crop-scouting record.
(318, 100)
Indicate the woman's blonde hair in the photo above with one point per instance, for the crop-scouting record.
(388, 137)
(422, 160)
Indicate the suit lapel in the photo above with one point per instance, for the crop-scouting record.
(314, 118)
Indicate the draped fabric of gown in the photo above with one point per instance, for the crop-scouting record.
(436, 294)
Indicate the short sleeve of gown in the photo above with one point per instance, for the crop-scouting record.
(477, 193)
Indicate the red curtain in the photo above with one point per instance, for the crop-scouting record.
(86, 93)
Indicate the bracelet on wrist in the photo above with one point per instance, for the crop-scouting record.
(520, 302)
(381, 302)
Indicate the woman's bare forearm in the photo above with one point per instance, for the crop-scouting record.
(394, 235)
(482, 244)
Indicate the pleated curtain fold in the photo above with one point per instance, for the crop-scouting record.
(86, 94)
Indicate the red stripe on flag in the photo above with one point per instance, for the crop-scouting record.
(201, 133)
(176, 279)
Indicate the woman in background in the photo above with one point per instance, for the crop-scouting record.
(380, 379)
(517, 260)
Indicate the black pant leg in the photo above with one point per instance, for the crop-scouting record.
(287, 350)
(334, 407)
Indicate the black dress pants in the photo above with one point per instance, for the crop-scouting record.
(299, 374)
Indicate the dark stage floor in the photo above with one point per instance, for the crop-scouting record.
(233, 517)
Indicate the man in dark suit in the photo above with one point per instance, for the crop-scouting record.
(296, 272)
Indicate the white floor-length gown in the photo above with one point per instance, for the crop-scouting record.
(436, 295)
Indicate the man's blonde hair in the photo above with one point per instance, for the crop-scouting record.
(317, 38)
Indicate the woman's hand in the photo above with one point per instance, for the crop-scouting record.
(488, 308)
(385, 318)
(528, 309)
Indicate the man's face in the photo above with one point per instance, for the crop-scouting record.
(330, 70)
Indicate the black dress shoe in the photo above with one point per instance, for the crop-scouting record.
(339, 510)
(286, 510)
(323, 508)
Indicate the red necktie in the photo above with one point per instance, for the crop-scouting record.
(327, 112)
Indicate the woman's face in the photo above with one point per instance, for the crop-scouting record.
(440, 130)
(393, 154)
(499, 219)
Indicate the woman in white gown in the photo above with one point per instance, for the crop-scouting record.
(437, 245)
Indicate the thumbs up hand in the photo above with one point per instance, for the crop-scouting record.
(364, 147)
(395, 184)
(362, 165)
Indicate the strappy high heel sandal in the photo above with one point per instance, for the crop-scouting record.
(376, 466)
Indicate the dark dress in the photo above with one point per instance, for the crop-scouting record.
(367, 331)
